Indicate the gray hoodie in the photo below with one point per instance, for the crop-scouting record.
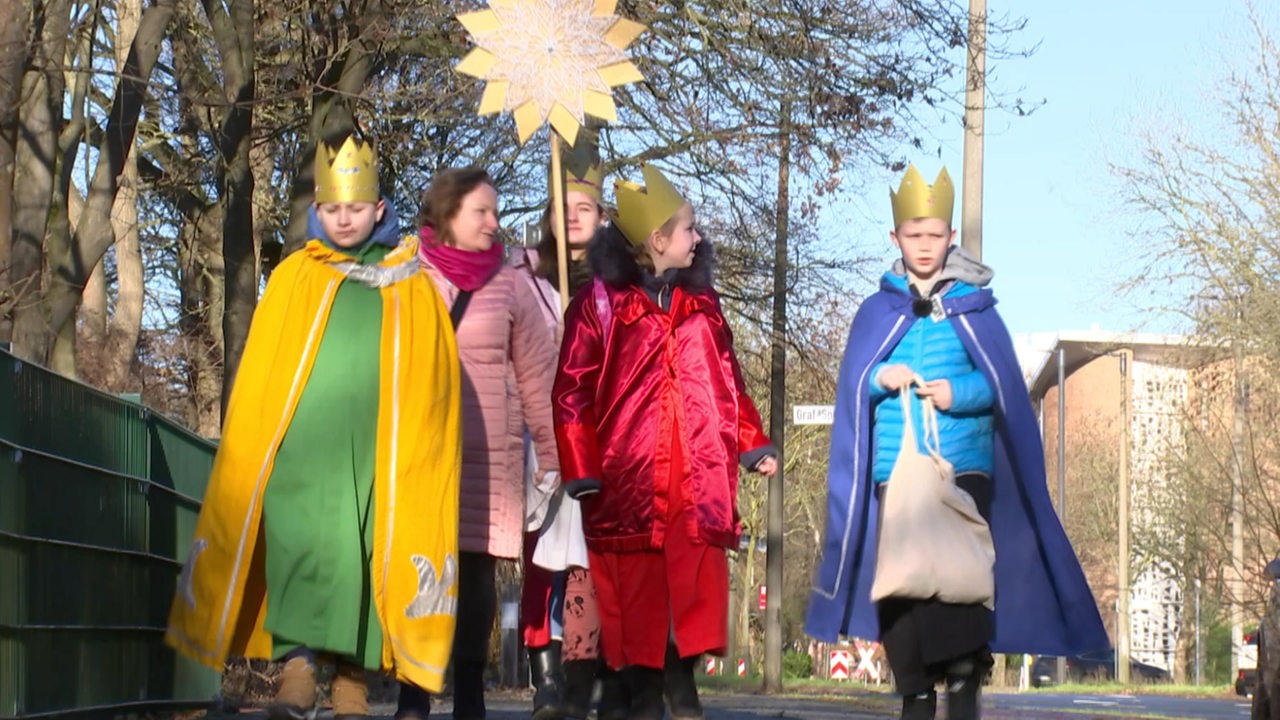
(960, 265)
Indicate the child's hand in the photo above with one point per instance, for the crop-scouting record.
(768, 466)
(939, 390)
(895, 377)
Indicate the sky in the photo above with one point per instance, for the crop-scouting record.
(1053, 228)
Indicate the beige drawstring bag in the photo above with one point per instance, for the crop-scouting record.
(933, 541)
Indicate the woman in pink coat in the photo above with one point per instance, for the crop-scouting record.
(508, 367)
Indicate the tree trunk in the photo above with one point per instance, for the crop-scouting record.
(262, 159)
(94, 235)
(40, 122)
(126, 320)
(57, 240)
(15, 23)
(62, 357)
(200, 281)
(1185, 639)
(93, 313)
(233, 26)
(117, 341)
(330, 115)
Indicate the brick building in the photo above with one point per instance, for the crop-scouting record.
(1160, 389)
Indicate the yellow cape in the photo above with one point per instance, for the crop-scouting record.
(220, 604)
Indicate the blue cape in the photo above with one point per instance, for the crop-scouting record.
(1043, 603)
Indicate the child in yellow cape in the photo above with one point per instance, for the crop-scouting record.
(330, 523)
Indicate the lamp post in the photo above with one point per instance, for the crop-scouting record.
(974, 105)
(1062, 465)
(1123, 622)
(1238, 410)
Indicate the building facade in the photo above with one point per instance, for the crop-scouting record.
(1100, 374)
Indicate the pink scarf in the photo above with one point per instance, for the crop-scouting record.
(467, 270)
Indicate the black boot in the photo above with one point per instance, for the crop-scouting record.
(414, 703)
(645, 687)
(579, 682)
(615, 697)
(964, 686)
(548, 683)
(679, 687)
(921, 706)
(468, 690)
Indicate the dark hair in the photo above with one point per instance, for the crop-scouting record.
(549, 249)
(639, 253)
(443, 198)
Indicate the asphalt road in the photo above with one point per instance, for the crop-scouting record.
(1124, 705)
(872, 706)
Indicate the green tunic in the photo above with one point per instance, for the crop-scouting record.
(317, 509)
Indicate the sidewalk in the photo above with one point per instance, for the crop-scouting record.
(507, 705)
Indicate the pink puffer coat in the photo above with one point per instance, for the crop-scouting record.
(508, 367)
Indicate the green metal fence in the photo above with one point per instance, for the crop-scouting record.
(98, 502)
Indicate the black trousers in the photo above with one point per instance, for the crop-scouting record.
(477, 606)
(922, 638)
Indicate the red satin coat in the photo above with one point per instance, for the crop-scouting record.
(615, 404)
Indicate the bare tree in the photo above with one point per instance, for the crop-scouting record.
(51, 264)
(1206, 219)
(109, 331)
(15, 45)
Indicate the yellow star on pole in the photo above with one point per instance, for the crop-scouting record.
(550, 60)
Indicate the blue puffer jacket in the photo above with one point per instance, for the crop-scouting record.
(933, 350)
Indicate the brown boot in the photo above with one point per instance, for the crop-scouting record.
(296, 697)
(350, 693)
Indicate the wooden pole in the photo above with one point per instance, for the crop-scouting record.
(557, 219)
(974, 104)
(1062, 466)
(1122, 558)
(777, 419)
(1239, 409)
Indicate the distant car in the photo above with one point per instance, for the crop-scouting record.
(1044, 671)
(1266, 690)
(1247, 662)
(1099, 665)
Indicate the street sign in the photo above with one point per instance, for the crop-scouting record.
(813, 414)
(840, 664)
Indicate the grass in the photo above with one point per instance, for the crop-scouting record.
(855, 696)
(1114, 688)
(821, 687)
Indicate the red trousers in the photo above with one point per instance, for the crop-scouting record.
(581, 618)
(535, 596)
(680, 590)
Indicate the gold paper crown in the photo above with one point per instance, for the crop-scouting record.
(581, 174)
(643, 209)
(348, 173)
(915, 199)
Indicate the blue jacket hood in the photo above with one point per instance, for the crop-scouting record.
(385, 232)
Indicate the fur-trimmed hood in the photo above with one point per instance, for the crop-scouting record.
(610, 257)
